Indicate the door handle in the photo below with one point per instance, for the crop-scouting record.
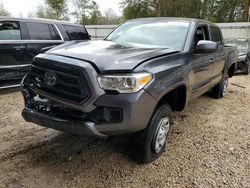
(19, 47)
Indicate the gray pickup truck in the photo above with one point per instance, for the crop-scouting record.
(130, 82)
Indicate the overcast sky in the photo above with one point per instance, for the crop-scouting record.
(24, 7)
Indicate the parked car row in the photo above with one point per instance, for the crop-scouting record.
(23, 39)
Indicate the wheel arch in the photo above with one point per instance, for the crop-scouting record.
(176, 98)
(231, 70)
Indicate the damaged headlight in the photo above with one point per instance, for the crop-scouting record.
(125, 83)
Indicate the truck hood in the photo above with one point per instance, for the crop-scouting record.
(107, 55)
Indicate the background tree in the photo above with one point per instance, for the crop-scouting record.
(245, 9)
(212, 10)
(59, 8)
(208, 9)
(81, 9)
(94, 14)
(228, 11)
(109, 17)
(43, 11)
(138, 8)
(3, 11)
(52, 9)
(179, 8)
(86, 12)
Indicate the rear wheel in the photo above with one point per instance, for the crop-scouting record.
(220, 90)
(248, 67)
(151, 142)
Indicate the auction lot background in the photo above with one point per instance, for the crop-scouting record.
(209, 145)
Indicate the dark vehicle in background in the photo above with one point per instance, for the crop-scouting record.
(130, 82)
(243, 46)
(22, 39)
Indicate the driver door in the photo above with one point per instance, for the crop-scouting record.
(201, 64)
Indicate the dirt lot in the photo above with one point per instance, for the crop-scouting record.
(209, 147)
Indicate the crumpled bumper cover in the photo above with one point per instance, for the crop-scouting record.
(137, 110)
(76, 127)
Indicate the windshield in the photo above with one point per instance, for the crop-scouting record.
(151, 34)
(241, 44)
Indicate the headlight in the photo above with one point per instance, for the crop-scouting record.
(125, 83)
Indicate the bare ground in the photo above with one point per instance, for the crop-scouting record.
(209, 146)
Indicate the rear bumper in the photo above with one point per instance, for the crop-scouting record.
(75, 127)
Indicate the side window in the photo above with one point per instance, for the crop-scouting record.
(216, 35)
(201, 34)
(10, 30)
(42, 31)
(54, 33)
(76, 32)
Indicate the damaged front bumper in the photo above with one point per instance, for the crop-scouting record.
(114, 114)
(76, 127)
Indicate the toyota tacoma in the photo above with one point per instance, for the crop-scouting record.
(130, 82)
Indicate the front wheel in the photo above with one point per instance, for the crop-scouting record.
(151, 142)
(220, 90)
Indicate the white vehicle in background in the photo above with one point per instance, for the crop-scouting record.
(243, 46)
(238, 34)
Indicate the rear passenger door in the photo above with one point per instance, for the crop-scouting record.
(12, 65)
(40, 36)
(219, 56)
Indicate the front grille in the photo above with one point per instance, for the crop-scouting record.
(70, 86)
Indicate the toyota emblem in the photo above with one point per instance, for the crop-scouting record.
(50, 79)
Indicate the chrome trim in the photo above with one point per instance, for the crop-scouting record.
(8, 87)
(29, 41)
(13, 66)
(52, 20)
(62, 39)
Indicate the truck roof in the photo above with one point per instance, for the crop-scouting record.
(177, 19)
(38, 20)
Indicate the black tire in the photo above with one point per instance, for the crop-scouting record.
(248, 68)
(220, 90)
(145, 141)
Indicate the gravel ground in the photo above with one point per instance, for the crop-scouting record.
(209, 146)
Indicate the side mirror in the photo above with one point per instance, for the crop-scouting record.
(204, 46)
